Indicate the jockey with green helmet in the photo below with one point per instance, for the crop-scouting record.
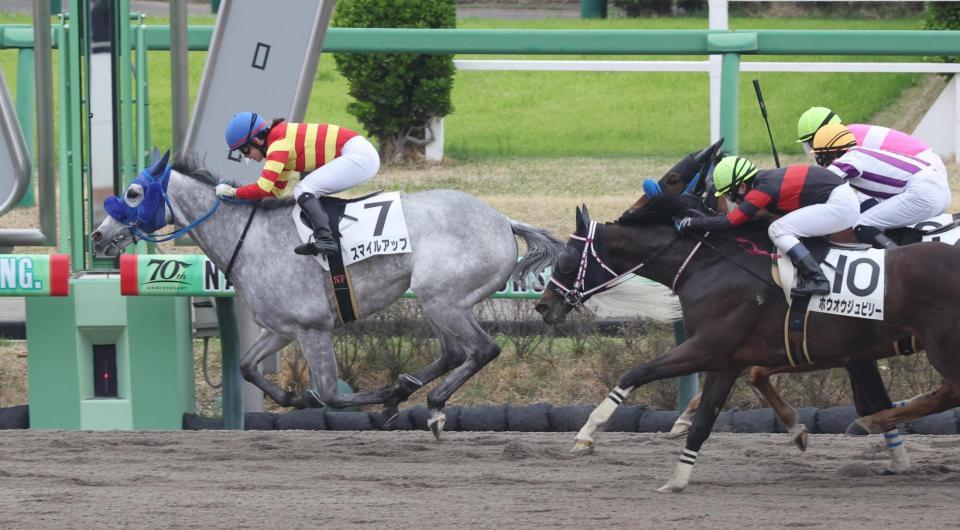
(328, 157)
(810, 201)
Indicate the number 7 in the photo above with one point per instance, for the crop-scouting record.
(382, 219)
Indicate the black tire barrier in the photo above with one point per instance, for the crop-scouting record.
(529, 418)
(13, 330)
(259, 421)
(569, 418)
(625, 419)
(304, 420)
(540, 417)
(947, 422)
(657, 421)
(15, 417)
(834, 420)
(482, 418)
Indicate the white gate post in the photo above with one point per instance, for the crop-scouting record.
(719, 20)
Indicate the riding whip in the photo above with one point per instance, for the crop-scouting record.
(763, 111)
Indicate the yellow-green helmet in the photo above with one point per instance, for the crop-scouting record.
(811, 121)
(731, 171)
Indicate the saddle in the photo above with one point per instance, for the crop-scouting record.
(334, 206)
(339, 277)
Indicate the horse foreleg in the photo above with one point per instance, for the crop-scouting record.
(716, 389)
(599, 417)
(683, 359)
(266, 344)
(317, 347)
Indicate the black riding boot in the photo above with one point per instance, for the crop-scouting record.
(323, 242)
(874, 236)
(812, 280)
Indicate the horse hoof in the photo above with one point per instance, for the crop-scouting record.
(800, 436)
(855, 429)
(670, 487)
(311, 399)
(388, 417)
(674, 433)
(436, 423)
(582, 446)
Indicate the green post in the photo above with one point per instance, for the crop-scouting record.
(730, 101)
(55, 7)
(26, 101)
(215, 6)
(143, 100)
(124, 110)
(593, 8)
(687, 385)
(230, 365)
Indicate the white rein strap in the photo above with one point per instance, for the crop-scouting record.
(577, 292)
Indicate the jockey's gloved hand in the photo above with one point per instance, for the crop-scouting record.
(226, 190)
(684, 224)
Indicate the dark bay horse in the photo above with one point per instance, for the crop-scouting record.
(734, 313)
(873, 404)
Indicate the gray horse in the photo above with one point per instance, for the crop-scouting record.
(464, 251)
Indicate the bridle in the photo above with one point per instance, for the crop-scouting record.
(576, 295)
(138, 232)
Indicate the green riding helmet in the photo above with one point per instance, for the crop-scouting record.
(811, 121)
(731, 171)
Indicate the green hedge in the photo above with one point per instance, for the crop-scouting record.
(396, 95)
(943, 15)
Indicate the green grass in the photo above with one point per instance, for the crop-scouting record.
(558, 114)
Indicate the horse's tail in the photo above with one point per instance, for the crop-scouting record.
(629, 299)
(542, 250)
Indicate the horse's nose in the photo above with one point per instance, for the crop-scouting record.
(96, 236)
(541, 308)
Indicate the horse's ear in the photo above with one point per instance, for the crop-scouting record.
(586, 215)
(709, 152)
(160, 166)
(581, 227)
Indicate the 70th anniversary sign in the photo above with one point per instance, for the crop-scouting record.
(196, 275)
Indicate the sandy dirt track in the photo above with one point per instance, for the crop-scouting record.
(285, 479)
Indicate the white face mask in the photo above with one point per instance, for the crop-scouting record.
(807, 148)
(246, 160)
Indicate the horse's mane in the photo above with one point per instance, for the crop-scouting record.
(191, 165)
(661, 209)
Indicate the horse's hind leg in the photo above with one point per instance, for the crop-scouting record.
(716, 389)
(451, 356)
(685, 420)
(461, 333)
(944, 398)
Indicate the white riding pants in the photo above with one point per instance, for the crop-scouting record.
(357, 163)
(932, 158)
(926, 195)
(839, 213)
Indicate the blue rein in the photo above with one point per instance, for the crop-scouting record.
(140, 234)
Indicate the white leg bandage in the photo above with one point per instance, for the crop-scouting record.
(601, 415)
(899, 461)
(681, 474)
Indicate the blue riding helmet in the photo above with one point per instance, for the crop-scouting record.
(143, 203)
(243, 126)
